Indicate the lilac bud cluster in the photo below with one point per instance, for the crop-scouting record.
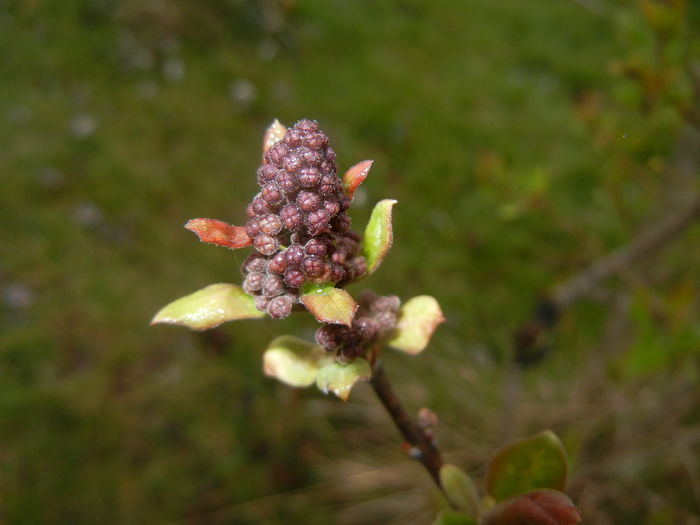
(375, 318)
(298, 223)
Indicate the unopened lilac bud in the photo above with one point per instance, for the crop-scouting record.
(252, 227)
(287, 182)
(272, 194)
(266, 173)
(294, 277)
(330, 184)
(294, 255)
(386, 321)
(270, 224)
(341, 223)
(249, 211)
(253, 282)
(365, 327)
(265, 244)
(332, 207)
(278, 262)
(317, 222)
(328, 336)
(292, 218)
(254, 263)
(316, 246)
(272, 286)
(261, 302)
(388, 303)
(308, 201)
(313, 266)
(309, 177)
(280, 307)
(260, 206)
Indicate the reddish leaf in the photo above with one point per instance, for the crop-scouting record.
(355, 175)
(219, 232)
(539, 507)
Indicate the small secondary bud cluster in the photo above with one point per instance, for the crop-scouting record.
(375, 318)
(298, 222)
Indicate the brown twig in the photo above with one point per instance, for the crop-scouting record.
(422, 443)
(527, 338)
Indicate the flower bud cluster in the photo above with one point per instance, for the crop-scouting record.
(375, 318)
(298, 222)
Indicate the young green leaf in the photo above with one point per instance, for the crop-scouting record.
(339, 378)
(355, 175)
(273, 134)
(220, 233)
(328, 304)
(418, 319)
(539, 507)
(209, 307)
(378, 235)
(536, 462)
(450, 517)
(459, 489)
(294, 361)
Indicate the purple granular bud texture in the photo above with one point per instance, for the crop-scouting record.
(389, 303)
(272, 286)
(365, 327)
(328, 337)
(265, 244)
(298, 224)
(270, 224)
(253, 282)
(280, 307)
(313, 266)
(386, 321)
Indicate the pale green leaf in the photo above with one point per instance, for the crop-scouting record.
(294, 361)
(378, 235)
(459, 489)
(417, 321)
(329, 304)
(340, 378)
(209, 307)
(450, 517)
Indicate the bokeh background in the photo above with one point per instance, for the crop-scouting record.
(523, 141)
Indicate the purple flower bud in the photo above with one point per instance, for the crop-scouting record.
(265, 244)
(272, 286)
(330, 184)
(278, 262)
(294, 255)
(266, 173)
(292, 162)
(254, 263)
(280, 307)
(260, 206)
(309, 177)
(288, 182)
(317, 222)
(270, 224)
(365, 327)
(292, 218)
(316, 246)
(252, 227)
(271, 194)
(313, 266)
(341, 223)
(328, 336)
(261, 302)
(253, 282)
(308, 201)
(294, 277)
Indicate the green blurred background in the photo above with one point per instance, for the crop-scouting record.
(523, 140)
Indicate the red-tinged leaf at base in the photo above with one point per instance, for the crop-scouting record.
(379, 235)
(340, 378)
(418, 319)
(220, 233)
(539, 507)
(329, 304)
(355, 175)
(273, 134)
(209, 307)
(536, 462)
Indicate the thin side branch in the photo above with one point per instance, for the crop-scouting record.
(423, 446)
(550, 308)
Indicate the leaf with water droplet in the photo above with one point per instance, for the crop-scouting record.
(328, 304)
(340, 378)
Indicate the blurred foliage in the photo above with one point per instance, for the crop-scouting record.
(522, 140)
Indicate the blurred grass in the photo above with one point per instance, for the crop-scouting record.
(517, 156)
